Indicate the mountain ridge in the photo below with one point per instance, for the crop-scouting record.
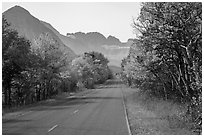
(81, 42)
(76, 43)
(31, 27)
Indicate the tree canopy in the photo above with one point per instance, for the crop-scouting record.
(170, 58)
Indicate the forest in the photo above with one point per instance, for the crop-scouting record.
(34, 73)
(166, 58)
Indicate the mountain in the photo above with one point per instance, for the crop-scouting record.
(79, 42)
(31, 27)
(111, 46)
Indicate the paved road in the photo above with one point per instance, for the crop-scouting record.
(99, 112)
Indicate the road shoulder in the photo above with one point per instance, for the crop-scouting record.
(144, 121)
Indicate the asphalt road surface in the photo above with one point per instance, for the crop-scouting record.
(98, 112)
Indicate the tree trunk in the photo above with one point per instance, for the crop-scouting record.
(9, 95)
(163, 83)
(6, 96)
(38, 92)
(44, 90)
(177, 83)
(186, 83)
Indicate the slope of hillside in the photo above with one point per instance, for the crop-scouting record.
(31, 27)
(76, 45)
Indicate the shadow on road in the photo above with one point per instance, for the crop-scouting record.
(67, 103)
(104, 86)
(14, 121)
(62, 104)
(113, 83)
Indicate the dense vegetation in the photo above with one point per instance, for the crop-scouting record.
(166, 59)
(31, 73)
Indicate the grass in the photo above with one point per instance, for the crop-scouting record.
(150, 115)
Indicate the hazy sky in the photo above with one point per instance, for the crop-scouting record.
(113, 18)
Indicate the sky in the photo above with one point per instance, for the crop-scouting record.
(110, 18)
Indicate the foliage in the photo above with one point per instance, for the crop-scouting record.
(91, 68)
(36, 72)
(30, 73)
(15, 58)
(170, 58)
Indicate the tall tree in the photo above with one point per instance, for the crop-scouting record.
(15, 57)
(51, 61)
(173, 31)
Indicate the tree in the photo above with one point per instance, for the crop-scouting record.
(48, 49)
(171, 40)
(15, 57)
(30, 73)
(91, 68)
(33, 72)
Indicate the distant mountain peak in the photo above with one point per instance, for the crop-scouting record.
(31, 27)
(94, 33)
(79, 33)
(18, 9)
(112, 38)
